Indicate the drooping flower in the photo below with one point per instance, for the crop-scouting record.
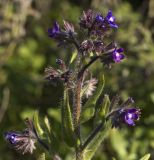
(110, 19)
(23, 141)
(53, 32)
(112, 55)
(117, 55)
(99, 18)
(125, 116)
(130, 115)
(124, 113)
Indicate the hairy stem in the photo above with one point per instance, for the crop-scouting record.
(79, 154)
(77, 99)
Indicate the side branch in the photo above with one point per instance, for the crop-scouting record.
(92, 135)
(80, 74)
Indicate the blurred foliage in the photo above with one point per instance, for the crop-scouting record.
(25, 50)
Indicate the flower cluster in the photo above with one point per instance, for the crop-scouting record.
(96, 23)
(97, 27)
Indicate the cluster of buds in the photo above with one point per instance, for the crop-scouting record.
(62, 74)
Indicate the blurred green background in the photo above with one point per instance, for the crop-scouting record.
(25, 50)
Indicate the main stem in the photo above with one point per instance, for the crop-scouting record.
(79, 73)
(77, 109)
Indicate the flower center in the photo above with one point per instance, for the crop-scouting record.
(130, 116)
(111, 19)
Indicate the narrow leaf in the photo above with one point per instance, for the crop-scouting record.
(74, 55)
(102, 110)
(37, 124)
(146, 157)
(67, 121)
(46, 121)
(51, 137)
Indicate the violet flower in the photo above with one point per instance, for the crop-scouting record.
(130, 115)
(99, 18)
(53, 32)
(117, 55)
(24, 141)
(110, 19)
(124, 116)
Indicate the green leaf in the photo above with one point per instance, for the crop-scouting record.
(146, 157)
(51, 137)
(37, 124)
(42, 157)
(46, 121)
(55, 114)
(87, 114)
(94, 144)
(92, 101)
(67, 121)
(74, 55)
(102, 109)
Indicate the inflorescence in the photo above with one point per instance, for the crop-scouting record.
(95, 28)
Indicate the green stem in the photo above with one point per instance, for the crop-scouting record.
(79, 154)
(92, 135)
(87, 65)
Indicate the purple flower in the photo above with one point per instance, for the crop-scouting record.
(124, 116)
(117, 55)
(53, 32)
(11, 137)
(99, 19)
(110, 19)
(130, 116)
(22, 141)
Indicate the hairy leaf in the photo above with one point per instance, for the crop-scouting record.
(67, 121)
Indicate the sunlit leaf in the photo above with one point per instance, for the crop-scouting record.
(146, 157)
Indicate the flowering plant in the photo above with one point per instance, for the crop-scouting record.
(81, 91)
